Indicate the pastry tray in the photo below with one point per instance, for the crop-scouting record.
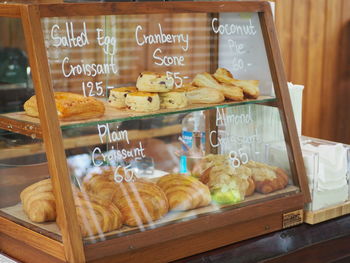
(16, 214)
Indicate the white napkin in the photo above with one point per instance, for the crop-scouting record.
(332, 166)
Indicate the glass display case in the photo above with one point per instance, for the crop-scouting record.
(152, 128)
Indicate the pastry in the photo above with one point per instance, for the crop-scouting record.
(223, 76)
(39, 202)
(70, 106)
(204, 95)
(184, 192)
(142, 101)
(250, 87)
(140, 202)
(230, 92)
(218, 173)
(117, 96)
(95, 216)
(174, 99)
(154, 82)
(267, 178)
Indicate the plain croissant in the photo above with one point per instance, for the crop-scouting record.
(184, 192)
(95, 215)
(39, 202)
(140, 202)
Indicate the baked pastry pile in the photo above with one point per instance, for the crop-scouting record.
(231, 185)
(231, 88)
(70, 106)
(153, 91)
(227, 184)
(204, 88)
(117, 96)
(141, 202)
(103, 205)
(95, 216)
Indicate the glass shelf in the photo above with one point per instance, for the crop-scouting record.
(19, 122)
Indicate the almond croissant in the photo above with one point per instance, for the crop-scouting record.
(267, 178)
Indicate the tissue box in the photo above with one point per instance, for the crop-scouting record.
(327, 167)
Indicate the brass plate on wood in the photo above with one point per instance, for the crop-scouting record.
(293, 218)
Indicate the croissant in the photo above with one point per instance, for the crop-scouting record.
(217, 172)
(203, 95)
(70, 106)
(94, 215)
(140, 202)
(267, 178)
(184, 192)
(230, 91)
(250, 87)
(39, 202)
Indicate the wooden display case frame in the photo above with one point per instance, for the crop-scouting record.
(165, 243)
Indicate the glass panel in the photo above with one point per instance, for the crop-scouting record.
(93, 55)
(201, 168)
(15, 81)
(139, 166)
(242, 50)
(25, 193)
(22, 158)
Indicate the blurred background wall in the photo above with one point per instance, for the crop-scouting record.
(314, 36)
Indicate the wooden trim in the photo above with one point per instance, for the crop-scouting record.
(32, 238)
(284, 102)
(24, 253)
(21, 127)
(71, 235)
(204, 241)
(195, 226)
(96, 9)
(328, 213)
(10, 10)
(30, 226)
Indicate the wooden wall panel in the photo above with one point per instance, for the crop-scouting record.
(284, 10)
(11, 33)
(314, 37)
(330, 64)
(343, 95)
(299, 40)
(314, 71)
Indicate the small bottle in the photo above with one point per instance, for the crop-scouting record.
(193, 139)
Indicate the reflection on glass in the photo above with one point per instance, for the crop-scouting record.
(15, 76)
(136, 165)
(190, 152)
